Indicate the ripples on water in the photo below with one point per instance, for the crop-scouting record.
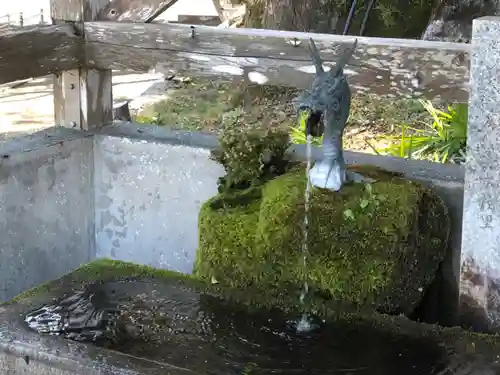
(173, 324)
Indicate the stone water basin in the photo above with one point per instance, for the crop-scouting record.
(118, 318)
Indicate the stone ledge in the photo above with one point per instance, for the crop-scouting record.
(448, 173)
(40, 139)
(25, 352)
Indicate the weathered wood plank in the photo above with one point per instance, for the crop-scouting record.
(35, 51)
(387, 67)
(67, 99)
(97, 97)
(83, 98)
(234, 17)
(219, 9)
(197, 20)
(229, 13)
(109, 10)
(134, 10)
(76, 10)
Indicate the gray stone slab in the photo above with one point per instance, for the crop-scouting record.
(159, 134)
(24, 352)
(480, 262)
(418, 169)
(46, 211)
(207, 345)
(147, 199)
(40, 139)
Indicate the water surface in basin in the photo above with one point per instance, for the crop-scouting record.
(170, 323)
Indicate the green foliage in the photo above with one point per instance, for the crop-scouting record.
(443, 140)
(373, 246)
(211, 106)
(369, 198)
(250, 157)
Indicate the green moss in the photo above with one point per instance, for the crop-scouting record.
(376, 245)
(103, 270)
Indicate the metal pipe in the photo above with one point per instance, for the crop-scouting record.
(349, 17)
(365, 19)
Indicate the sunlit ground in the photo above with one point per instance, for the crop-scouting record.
(27, 106)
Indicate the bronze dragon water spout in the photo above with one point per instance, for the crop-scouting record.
(328, 104)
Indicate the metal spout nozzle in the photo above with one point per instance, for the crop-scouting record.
(314, 124)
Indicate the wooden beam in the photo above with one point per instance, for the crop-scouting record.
(162, 7)
(229, 13)
(235, 17)
(219, 9)
(191, 20)
(76, 10)
(386, 67)
(130, 10)
(36, 51)
(67, 99)
(83, 98)
(109, 10)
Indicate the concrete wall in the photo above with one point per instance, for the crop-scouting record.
(46, 212)
(147, 199)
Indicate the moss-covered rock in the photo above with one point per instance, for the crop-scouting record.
(370, 246)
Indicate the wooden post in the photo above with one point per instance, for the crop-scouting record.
(83, 97)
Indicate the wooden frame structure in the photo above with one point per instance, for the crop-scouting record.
(86, 42)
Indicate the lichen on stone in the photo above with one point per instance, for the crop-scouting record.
(370, 245)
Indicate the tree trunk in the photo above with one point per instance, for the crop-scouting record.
(452, 19)
(388, 18)
(297, 15)
(303, 15)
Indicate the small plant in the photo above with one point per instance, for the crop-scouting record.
(367, 201)
(251, 157)
(443, 140)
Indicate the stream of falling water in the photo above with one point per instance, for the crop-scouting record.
(305, 325)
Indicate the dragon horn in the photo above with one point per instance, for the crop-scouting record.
(343, 59)
(316, 58)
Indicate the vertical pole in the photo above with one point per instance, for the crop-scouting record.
(83, 97)
(42, 21)
(21, 19)
(480, 257)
